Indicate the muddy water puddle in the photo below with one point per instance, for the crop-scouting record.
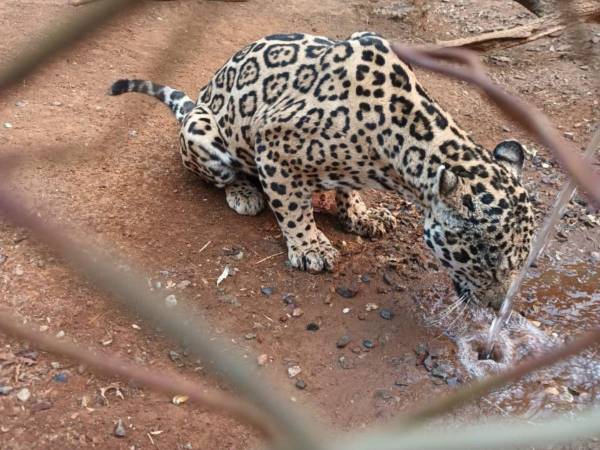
(556, 304)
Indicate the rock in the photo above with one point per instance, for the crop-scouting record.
(421, 352)
(61, 377)
(300, 384)
(266, 291)
(293, 371)
(346, 292)
(289, 299)
(443, 370)
(362, 316)
(297, 312)
(170, 301)
(20, 103)
(368, 343)
(401, 383)
(312, 326)
(184, 284)
(452, 381)
(250, 336)
(262, 360)
(371, 307)
(55, 365)
(41, 406)
(386, 314)
(7, 125)
(365, 278)
(595, 257)
(383, 394)
(5, 390)
(346, 363)
(179, 399)
(119, 430)
(175, 357)
(343, 341)
(23, 395)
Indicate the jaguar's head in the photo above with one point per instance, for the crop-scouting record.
(480, 222)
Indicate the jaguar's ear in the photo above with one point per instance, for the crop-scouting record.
(511, 155)
(446, 182)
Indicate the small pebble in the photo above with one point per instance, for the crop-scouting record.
(300, 384)
(368, 343)
(346, 310)
(262, 360)
(184, 284)
(297, 312)
(362, 316)
(386, 314)
(56, 103)
(371, 306)
(250, 336)
(343, 341)
(293, 371)
(60, 334)
(266, 291)
(365, 278)
(288, 298)
(61, 377)
(346, 292)
(171, 301)
(23, 395)
(55, 365)
(20, 103)
(119, 430)
(7, 125)
(5, 390)
(312, 326)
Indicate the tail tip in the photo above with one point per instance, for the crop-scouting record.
(119, 87)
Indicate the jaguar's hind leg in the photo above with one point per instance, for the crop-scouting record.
(203, 149)
(356, 218)
(244, 197)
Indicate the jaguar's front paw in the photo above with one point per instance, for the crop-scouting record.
(313, 256)
(370, 223)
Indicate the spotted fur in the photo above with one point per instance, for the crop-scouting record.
(301, 113)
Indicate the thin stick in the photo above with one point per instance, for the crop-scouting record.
(268, 257)
(204, 247)
(167, 382)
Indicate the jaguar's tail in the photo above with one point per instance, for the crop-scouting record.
(179, 103)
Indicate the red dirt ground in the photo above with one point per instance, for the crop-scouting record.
(123, 187)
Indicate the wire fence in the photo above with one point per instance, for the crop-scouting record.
(259, 405)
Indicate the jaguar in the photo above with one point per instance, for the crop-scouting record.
(293, 114)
